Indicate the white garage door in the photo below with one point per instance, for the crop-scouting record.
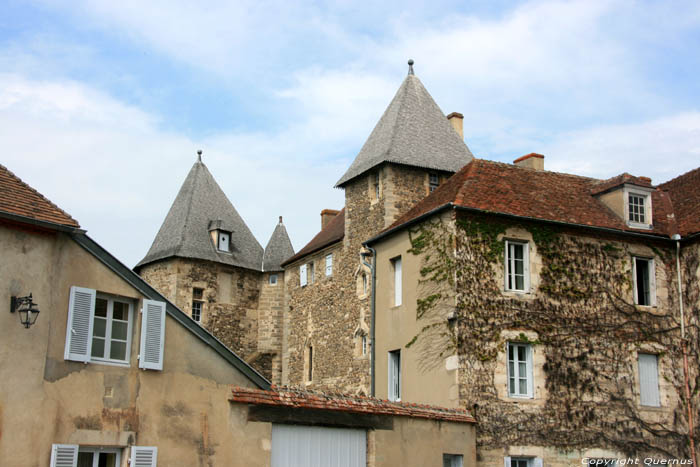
(310, 446)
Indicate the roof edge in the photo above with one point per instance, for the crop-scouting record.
(148, 291)
(315, 250)
(39, 223)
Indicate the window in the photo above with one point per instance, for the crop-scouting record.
(111, 329)
(310, 364)
(99, 329)
(364, 283)
(197, 304)
(433, 181)
(644, 281)
(95, 457)
(273, 279)
(452, 460)
(636, 208)
(312, 272)
(649, 380)
(63, 455)
(395, 375)
(223, 241)
(519, 370)
(302, 275)
(364, 344)
(398, 292)
(523, 462)
(517, 266)
(329, 265)
(376, 185)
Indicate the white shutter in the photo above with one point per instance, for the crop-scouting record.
(152, 335)
(302, 275)
(64, 455)
(649, 380)
(652, 283)
(143, 456)
(81, 313)
(537, 462)
(397, 282)
(526, 267)
(530, 375)
(329, 265)
(506, 462)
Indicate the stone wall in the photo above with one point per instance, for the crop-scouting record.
(270, 324)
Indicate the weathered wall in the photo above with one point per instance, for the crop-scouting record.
(585, 332)
(183, 410)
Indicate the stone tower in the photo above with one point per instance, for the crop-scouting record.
(412, 149)
(206, 260)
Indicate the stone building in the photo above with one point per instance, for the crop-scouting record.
(206, 260)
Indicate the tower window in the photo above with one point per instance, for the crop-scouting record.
(433, 181)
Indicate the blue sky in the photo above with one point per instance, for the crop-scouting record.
(104, 104)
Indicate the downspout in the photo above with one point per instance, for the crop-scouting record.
(684, 348)
(372, 268)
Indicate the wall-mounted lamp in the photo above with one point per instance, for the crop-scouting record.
(28, 310)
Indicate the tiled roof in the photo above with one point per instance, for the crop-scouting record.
(333, 232)
(605, 185)
(685, 193)
(551, 196)
(16, 197)
(278, 249)
(302, 399)
(413, 131)
(199, 205)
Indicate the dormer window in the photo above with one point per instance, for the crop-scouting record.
(223, 240)
(638, 207)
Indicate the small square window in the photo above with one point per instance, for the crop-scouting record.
(644, 281)
(517, 266)
(452, 460)
(433, 182)
(520, 370)
(273, 279)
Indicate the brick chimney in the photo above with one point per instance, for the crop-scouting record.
(532, 161)
(457, 121)
(327, 215)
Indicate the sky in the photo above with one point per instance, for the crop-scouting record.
(104, 104)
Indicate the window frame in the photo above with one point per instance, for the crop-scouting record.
(651, 280)
(199, 310)
(507, 266)
(656, 396)
(646, 196)
(529, 377)
(329, 264)
(394, 375)
(433, 185)
(452, 460)
(397, 270)
(529, 461)
(273, 279)
(99, 450)
(108, 328)
(219, 233)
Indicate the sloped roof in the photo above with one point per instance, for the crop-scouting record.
(333, 232)
(18, 198)
(685, 193)
(496, 187)
(304, 399)
(199, 206)
(278, 249)
(413, 131)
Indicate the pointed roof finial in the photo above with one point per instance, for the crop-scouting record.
(199, 155)
(410, 66)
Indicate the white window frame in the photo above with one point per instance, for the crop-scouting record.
(199, 307)
(394, 366)
(329, 264)
(651, 270)
(396, 266)
(223, 238)
(302, 276)
(529, 461)
(452, 460)
(649, 391)
(95, 450)
(108, 329)
(509, 263)
(515, 373)
(646, 195)
(273, 279)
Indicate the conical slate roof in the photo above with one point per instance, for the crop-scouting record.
(278, 249)
(413, 131)
(200, 206)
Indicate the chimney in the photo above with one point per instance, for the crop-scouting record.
(327, 215)
(531, 161)
(457, 121)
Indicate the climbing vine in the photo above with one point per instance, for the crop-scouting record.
(588, 333)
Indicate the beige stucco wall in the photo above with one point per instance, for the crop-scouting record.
(418, 441)
(425, 378)
(183, 410)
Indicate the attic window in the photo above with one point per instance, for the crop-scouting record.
(636, 208)
(433, 181)
(223, 240)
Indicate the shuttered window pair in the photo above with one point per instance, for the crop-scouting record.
(66, 455)
(104, 324)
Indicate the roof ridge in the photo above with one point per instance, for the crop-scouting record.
(36, 192)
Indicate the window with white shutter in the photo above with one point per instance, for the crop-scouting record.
(81, 312)
(329, 265)
(152, 335)
(649, 380)
(395, 375)
(143, 456)
(302, 275)
(398, 288)
(64, 455)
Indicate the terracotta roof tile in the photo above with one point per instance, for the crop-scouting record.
(509, 189)
(684, 191)
(333, 232)
(302, 399)
(16, 197)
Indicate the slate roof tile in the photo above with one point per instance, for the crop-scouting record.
(278, 249)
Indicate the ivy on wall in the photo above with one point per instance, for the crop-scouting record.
(587, 328)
